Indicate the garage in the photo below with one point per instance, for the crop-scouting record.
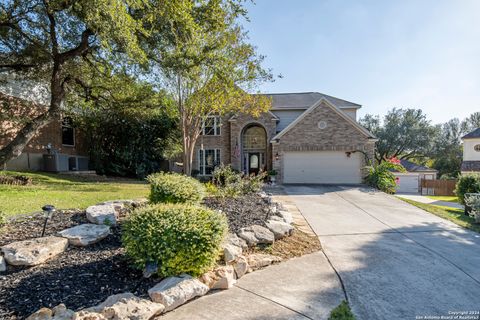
(328, 167)
(407, 183)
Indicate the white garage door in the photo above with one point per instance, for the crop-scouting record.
(407, 183)
(322, 167)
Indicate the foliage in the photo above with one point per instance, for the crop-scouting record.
(209, 68)
(230, 183)
(178, 238)
(130, 132)
(342, 312)
(473, 201)
(457, 216)
(471, 123)
(382, 177)
(447, 150)
(3, 218)
(469, 183)
(175, 188)
(65, 192)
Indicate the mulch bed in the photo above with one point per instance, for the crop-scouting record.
(79, 277)
(85, 276)
(242, 211)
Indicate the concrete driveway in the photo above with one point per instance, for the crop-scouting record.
(396, 261)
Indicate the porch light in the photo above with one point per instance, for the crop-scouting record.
(48, 211)
(277, 156)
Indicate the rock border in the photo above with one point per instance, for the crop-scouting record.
(173, 292)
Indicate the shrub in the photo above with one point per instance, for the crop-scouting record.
(469, 183)
(175, 188)
(342, 312)
(230, 183)
(179, 238)
(473, 201)
(382, 177)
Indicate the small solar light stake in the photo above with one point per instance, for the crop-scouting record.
(48, 211)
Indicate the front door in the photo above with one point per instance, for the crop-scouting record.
(253, 162)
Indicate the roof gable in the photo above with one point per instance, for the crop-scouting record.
(327, 103)
(472, 135)
(413, 167)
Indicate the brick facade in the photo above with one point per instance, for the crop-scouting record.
(339, 135)
(16, 112)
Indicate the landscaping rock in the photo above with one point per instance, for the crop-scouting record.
(225, 278)
(85, 234)
(231, 252)
(280, 229)
(42, 314)
(240, 266)
(260, 260)
(3, 264)
(103, 214)
(175, 291)
(87, 315)
(256, 235)
(61, 312)
(233, 239)
(35, 251)
(273, 208)
(127, 306)
(287, 216)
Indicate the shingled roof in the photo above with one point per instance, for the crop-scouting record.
(304, 100)
(413, 167)
(474, 134)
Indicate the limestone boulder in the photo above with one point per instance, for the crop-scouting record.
(233, 239)
(35, 251)
(225, 278)
(287, 216)
(260, 260)
(280, 229)
(256, 234)
(88, 315)
(175, 291)
(85, 234)
(240, 266)
(231, 252)
(59, 312)
(127, 306)
(41, 314)
(106, 214)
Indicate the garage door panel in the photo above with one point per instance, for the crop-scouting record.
(407, 183)
(322, 167)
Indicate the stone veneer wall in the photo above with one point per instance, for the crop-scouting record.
(339, 135)
(267, 120)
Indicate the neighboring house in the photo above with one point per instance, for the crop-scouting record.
(305, 137)
(410, 181)
(21, 101)
(471, 152)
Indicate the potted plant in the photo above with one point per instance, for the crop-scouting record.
(272, 175)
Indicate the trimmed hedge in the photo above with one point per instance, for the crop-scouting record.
(178, 238)
(469, 183)
(175, 188)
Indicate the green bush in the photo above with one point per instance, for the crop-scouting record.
(382, 177)
(342, 312)
(179, 238)
(469, 183)
(175, 188)
(231, 183)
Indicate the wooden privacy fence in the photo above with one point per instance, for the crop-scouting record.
(438, 187)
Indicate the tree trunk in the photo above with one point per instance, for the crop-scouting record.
(15, 147)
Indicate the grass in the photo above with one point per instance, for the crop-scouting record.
(342, 312)
(455, 215)
(65, 192)
(444, 198)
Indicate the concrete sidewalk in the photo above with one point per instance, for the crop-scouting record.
(427, 200)
(298, 289)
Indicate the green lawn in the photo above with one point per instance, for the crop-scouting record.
(444, 198)
(65, 192)
(451, 214)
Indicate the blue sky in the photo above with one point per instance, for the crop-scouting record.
(382, 54)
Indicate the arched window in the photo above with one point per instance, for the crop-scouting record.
(254, 138)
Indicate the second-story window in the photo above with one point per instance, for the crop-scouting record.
(211, 126)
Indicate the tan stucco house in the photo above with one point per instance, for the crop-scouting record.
(471, 152)
(306, 137)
